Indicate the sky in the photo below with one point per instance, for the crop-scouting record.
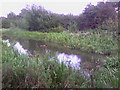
(74, 7)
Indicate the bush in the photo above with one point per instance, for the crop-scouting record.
(5, 23)
(21, 71)
(108, 76)
(56, 29)
(109, 25)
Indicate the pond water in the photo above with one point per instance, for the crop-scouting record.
(76, 58)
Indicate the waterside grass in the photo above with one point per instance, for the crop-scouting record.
(22, 71)
(93, 41)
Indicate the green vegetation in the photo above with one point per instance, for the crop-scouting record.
(41, 72)
(109, 73)
(22, 71)
(91, 41)
(35, 18)
(95, 30)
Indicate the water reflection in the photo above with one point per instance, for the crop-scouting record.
(7, 42)
(17, 47)
(72, 60)
(76, 58)
(37, 47)
(20, 48)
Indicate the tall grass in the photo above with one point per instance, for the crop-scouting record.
(92, 41)
(21, 71)
(109, 76)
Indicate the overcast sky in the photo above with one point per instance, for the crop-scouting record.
(74, 7)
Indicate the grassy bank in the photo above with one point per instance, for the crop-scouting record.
(92, 41)
(21, 71)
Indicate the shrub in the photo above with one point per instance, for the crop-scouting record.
(109, 25)
(56, 29)
(20, 71)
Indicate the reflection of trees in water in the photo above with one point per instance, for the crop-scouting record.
(89, 60)
(35, 47)
(13, 39)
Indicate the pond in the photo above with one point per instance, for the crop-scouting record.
(77, 59)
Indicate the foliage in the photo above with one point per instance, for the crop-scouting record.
(56, 29)
(72, 27)
(97, 41)
(110, 25)
(21, 71)
(39, 19)
(109, 73)
(94, 16)
(36, 18)
(5, 23)
(13, 19)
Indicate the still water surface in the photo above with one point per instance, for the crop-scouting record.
(76, 58)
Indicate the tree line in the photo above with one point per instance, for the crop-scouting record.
(35, 18)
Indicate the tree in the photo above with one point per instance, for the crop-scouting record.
(36, 18)
(39, 19)
(12, 19)
(94, 16)
(5, 22)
